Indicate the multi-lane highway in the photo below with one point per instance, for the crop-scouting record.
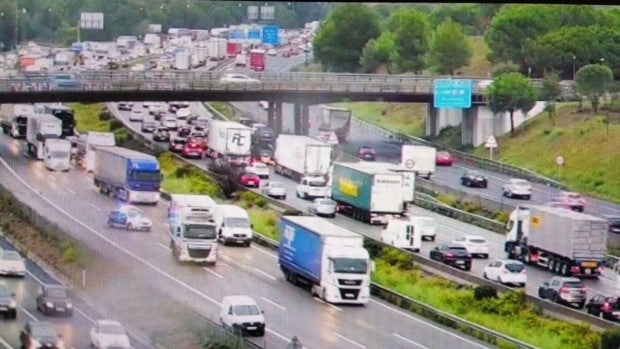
(141, 270)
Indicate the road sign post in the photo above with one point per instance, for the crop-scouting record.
(559, 160)
(491, 143)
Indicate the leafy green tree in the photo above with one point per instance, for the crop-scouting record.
(339, 43)
(411, 39)
(450, 48)
(549, 92)
(592, 81)
(510, 92)
(502, 68)
(377, 53)
(467, 15)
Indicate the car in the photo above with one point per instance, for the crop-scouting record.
(443, 158)
(572, 200)
(517, 188)
(323, 207)
(8, 305)
(183, 113)
(366, 153)
(108, 334)
(256, 125)
(264, 135)
(177, 144)
(472, 178)
(157, 108)
(184, 130)
(161, 134)
(286, 53)
(40, 334)
(201, 124)
(272, 52)
(147, 104)
(246, 122)
(130, 219)
(260, 169)
(238, 78)
(263, 154)
(192, 150)
(475, 245)
(452, 254)
(564, 290)
(614, 222)
(506, 272)
(275, 189)
(241, 313)
(605, 307)
(128, 106)
(53, 299)
(148, 126)
(12, 263)
(170, 123)
(198, 139)
(136, 115)
(248, 178)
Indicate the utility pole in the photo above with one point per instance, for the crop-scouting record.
(16, 25)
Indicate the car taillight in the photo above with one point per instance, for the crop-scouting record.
(448, 254)
(606, 307)
(523, 271)
(563, 289)
(584, 289)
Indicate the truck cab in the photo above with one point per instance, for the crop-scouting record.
(311, 187)
(57, 154)
(193, 232)
(402, 234)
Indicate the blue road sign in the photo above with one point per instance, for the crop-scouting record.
(452, 93)
(254, 34)
(237, 34)
(270, 35)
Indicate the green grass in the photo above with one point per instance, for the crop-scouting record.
(87, 117)
(479, 65)
(264, 222)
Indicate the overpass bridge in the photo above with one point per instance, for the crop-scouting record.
(301, 89)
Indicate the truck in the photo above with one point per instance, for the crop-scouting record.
(366, 191)
(193, 230)
(182, 61)
(563, 241)
(298, 156)
(330, 259)
(408, 190)
(39, 128)
(257, 59)
(216, 48)
(62, 112)
(233, 49)
(231, 141)
(419, 158)
(13, 119)
(86, 144)
(240, 60)
(126, 174)
(57, 154)
(334, 120)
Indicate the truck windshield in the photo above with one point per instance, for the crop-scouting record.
(146, 176)
(350, 265)
(316, 183)
(195, 231)
(59, 154)
(237, 222)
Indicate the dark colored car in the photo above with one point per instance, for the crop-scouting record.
(264, 134)
(53, 299)
(474, 179)
(367, 153)
(614, 223)
(40, 334)
(128, 106)
(201, 125)
(161, 134)
(564, 290)
(443, 158)
(184, 130)
(148, 126)
(8, 307)
(452, 254)
(246, 122)
(605, 307)
(177, 144)
(249, 179)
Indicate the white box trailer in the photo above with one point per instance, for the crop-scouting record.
(86, 147)
(421, 159)
(229, 139)
(297, 156)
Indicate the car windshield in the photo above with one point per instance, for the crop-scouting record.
(521, 182)
(57, 292)
(236, 222)
(4, 291)
(326, 202)
(477, 241)
(457, 249)
(194, 231)
(350, 265)
(244, 310)
(276, 185)
(316, 183)
(573, 284)
(111, 329)
(134, 214)
(178, 141)
(40, 330)
(514, 267)
(11, 256)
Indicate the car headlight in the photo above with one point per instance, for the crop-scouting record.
(35, 343)
(12, 304)
(69, 305)
(49, 304)
(60, 344)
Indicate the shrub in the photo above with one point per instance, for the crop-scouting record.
(182, 171)
(105, 115)
(447, 199)
(261, 201)
(69, 253)
(484, 292)
(115, 125)
(397, 258)
(374, 247)
(292, 213)
(610, 338)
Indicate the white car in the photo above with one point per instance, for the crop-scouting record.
(129, 219)
(136, 115)
(275, 190)
(272, 52)
(12, 263)
(170, 123)
(323, 207)
(517, 188)
(475, 245)
(157, 108)
(238, 78)
(241, 313)
(183, 113)
(506, 271)
(109, 334)
(261, 170)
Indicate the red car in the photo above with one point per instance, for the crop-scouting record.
(443, 158)
(367, 153)
(192, 150)
(198, 141)
(249, 179)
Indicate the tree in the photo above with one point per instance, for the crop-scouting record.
(549, 92)
(593, 81)
(450, 48)
(377, 52)
(342, 36)
(510, 92)
(504, 67)
(411, 39)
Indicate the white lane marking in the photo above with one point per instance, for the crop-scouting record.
(214, 273)
(264, 252)
(410, 341)
(35, 278)
(95, 207)
(287, 340)
(34, 318)
(265, 274)
(273, 303)
(328, 304)
(164, 246)
(429, 324)
(70, 191)
(165, 202)
(5, 343)
(222, 264)
(349, 340)
(106, 239)
(84, 314)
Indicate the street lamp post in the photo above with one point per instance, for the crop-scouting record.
(529, 72)
(574, 58)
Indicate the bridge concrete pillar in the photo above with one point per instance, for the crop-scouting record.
(467, 126)
(271, 116)
(297, 119)
(431, 121)
(277, 111)
(305, 119)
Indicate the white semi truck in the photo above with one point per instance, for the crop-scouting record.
(39, 128)
(193, 231)
(87, 143)
(420, 159)
(563, 241)
(14, 120)
(231, 141)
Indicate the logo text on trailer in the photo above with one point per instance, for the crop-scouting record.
(238, 139)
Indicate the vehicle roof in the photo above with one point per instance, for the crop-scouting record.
(232, 209)
(191, 200)
(108, 322)
(321, 226)
(373, 167)
(239, 299)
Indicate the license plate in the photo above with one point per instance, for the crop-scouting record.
(251, 327)
(588, 270)
(4, 308)
(60, 309)
(460, 262)
(588, 264)
(616, 313)
(239, 241)
(349, 295)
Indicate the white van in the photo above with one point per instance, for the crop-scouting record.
(233, 225)
(426, 226)
(402, 234)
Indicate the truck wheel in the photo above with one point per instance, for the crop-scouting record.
(551, 264)
(110, 224)
(129, 226)
(564, 268)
